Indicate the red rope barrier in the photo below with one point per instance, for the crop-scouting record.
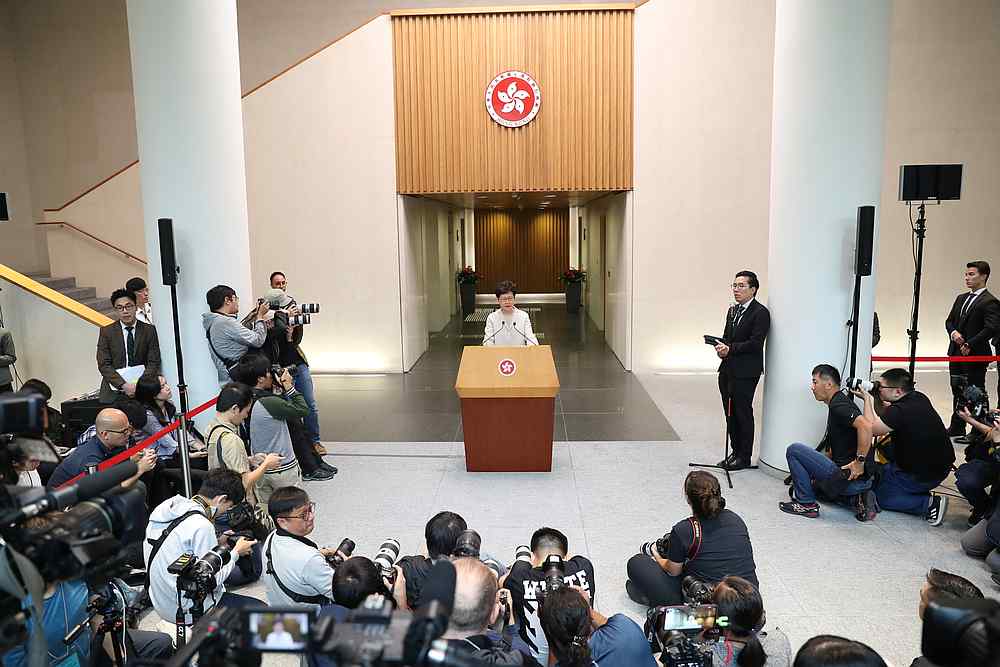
(969, 359)
(128, 453)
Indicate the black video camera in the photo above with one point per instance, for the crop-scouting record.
(683, 634)
(658, 547)
(962, 633)
(196, 576)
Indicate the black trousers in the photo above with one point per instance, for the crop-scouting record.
(740, 422)
(964, 373)
(659, 587)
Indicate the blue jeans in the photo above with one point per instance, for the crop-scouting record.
(901, 492)
(806, 465)
(304, 385)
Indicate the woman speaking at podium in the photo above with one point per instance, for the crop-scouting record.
(508, 326)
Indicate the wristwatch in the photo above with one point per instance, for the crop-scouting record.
(861, 458)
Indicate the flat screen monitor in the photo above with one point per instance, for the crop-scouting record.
(4, 214)
(930, 182)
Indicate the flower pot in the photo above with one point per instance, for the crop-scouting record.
(573, 294)
(468, 291)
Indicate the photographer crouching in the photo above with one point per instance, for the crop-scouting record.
(921, 453)
(710, 545)
(981, 470)
(187, 563)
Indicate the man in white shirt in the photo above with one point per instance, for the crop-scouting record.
(295, 569)
(143, 309)
(508, 326)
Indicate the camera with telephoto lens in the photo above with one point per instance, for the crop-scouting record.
(467, 545)
(975, 400)
(342, 553)
(852, 384)
(658, 547)
(962, 633)
(695, 591)
(385, 560)
(683, 634)
(196, 576)
(553, 571)
(522, 552)
(309, 308)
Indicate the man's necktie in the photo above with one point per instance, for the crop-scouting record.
(968, 302)
(130, 346)
(739, 314)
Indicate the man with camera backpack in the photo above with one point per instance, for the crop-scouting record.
(181, 526)
(526, 581)
(921, 454)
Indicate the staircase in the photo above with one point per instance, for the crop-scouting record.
(68, 287)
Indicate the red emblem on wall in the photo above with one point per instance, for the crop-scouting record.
(513, 98)
(507, 367)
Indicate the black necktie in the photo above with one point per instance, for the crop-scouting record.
(130, 346)
(739, 314)
(968, 302)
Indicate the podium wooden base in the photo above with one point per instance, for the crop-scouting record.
(508, 434)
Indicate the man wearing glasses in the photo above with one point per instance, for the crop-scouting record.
(123, 346)
(295, 569)
(112, 437)
(742, 355)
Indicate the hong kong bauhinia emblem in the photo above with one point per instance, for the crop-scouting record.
(513, 98)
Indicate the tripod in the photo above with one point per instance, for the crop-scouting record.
(724, 468)
(919, 231)
(112, 623)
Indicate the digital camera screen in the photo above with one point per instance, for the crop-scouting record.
(277, 630)
(688, 619)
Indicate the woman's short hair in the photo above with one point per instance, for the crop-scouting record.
(506, 287)
(234, 394)
(833, 651)
(355, 579)
(704, 493)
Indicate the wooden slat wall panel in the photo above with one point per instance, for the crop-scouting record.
(582, 136)
(530, 248)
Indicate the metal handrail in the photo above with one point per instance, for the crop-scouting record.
(89, 235)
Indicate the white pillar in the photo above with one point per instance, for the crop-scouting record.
(189, 121)
(830, 81)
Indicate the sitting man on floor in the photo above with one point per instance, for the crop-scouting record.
(838, 464)
(921, 453)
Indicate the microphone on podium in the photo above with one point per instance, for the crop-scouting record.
(503, 325)
(526, 339)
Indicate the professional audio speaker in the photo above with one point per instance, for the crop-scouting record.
(4, 214)
(168, 262)
(866, 239)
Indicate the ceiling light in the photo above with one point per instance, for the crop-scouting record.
(549, 196)
(480, 196)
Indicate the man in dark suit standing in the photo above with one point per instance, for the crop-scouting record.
(974, 319)
(127, 342)
(742, 354)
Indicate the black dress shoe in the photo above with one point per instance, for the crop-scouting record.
(962, 440)
(738, 464)
(728, 461)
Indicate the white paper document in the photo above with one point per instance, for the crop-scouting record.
(131, 373)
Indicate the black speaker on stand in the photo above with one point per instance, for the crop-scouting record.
(862, 267)
(168, 264)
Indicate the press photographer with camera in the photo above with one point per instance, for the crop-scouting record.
(269, 413)
(228, 339)
(477, 607)
(973, 320)
(579, 636)
(180, 526)
(942, 588)
(546, 566)
(921, 454)
(837, 466)
(296, 570)
(744, 642)
(68, 604)
(710, 545)
(355, 579)
(981, 469)
(440, 534)
(291, 354)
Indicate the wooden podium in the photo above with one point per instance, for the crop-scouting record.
(508, 407)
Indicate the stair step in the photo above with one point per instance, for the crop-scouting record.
(37, 275)
(57, 283)
(80, 293)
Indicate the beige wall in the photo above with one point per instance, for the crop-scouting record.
(18, 241)
(943, 106)
(321, 197)
(614, 278)
(703, 138)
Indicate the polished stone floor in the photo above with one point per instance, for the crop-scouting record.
(598, 400)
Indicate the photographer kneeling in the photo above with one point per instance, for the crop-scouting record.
(579, 636)
(440, 534)
(743, 641)
(921, 454)
(180, 526)
(982, 539)
(712, 544)
(295, 569)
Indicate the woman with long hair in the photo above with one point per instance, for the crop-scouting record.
(744, 642)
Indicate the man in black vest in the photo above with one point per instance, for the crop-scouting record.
(974, 319)
(742, 354)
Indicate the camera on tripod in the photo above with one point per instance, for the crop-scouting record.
(683, 634)
(196, 576)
